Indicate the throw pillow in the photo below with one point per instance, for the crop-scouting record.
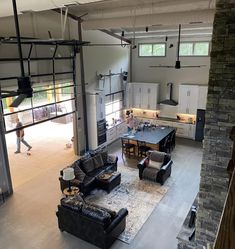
(72, 203)
(98, 161)
(79, 174)
(88, 165)
(112, 213)
(104, 155)
(97, 214)
(154, 164)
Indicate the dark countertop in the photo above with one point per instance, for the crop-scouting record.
(151, 136)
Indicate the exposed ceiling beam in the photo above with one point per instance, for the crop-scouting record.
(116, 35)
(206, 16)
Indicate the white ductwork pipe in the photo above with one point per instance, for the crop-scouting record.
(206, 16)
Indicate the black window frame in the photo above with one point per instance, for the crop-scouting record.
(152, 56)
(195, 42)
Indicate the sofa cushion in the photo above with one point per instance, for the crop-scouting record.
(79, 174)
(88, 180)
(75, 202)
(98, 161)
(154, 164)
(104, 155)
(96, 172)
(88, 165)
(157, 156)
(150, 174)
(112, 213)
(96, 214)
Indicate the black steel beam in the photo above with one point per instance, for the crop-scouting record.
(18, 38)
(83, 87)
(38, 75)
(115, 35)
(37, 59)
(41, 121)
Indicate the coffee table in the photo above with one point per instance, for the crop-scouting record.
(109, 180)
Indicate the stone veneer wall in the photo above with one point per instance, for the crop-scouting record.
(220, 117)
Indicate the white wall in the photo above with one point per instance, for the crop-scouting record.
(103, 59)
(143, 73)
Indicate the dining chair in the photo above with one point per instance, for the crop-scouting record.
(127, 147)
(142, 148)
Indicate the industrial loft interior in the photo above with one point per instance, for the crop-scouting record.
(117, 124)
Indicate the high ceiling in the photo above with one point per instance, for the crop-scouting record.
(132, 16)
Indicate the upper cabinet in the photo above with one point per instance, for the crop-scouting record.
(188, 99)
(202, 97)
(129, 95)
(142, 95)
(191, 98)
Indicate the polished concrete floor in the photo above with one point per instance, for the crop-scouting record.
(28, 220)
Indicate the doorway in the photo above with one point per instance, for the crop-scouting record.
(51, 147)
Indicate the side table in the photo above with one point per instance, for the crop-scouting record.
(74, 191)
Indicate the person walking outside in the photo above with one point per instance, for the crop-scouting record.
(20, 137)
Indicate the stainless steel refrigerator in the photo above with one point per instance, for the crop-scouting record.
(200, 123)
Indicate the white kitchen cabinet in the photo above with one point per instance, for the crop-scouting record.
(145, 95)
(100, 106)
(191, 131)
(164, 123)
(202, 97)
(95, 113)
(115, 132)
(111, 135)
(182, 130)
(188, 99)
(129, 95)
(149, 96)
(137, 95)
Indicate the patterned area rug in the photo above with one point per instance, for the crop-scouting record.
(139, 197)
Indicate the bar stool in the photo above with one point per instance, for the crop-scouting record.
(127, 147)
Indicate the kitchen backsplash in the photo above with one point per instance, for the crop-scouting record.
(164, 112)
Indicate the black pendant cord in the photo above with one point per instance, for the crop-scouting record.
(18, 38)
(178, 45)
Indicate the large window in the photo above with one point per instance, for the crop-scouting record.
(152, 49)
(194, 49)
(113, 107)
(48, 101)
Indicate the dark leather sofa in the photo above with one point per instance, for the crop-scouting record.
(87, 168)
(94, 224)
(158, 175)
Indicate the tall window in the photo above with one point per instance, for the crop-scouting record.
(152, 49)
(113, 106)
(48, 101)
(194, 49)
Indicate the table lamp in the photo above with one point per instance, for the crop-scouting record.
(68, 175)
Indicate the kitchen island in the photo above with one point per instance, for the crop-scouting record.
(154, 137)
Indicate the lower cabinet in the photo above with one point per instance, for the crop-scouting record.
(115, 132)
(182, 129)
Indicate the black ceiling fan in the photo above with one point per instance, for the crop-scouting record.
(24, 83)
(177, 62)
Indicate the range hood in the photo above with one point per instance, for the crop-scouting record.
(169, 100)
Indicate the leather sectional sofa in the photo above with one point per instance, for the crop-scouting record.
(89, 222)
(87, 168)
